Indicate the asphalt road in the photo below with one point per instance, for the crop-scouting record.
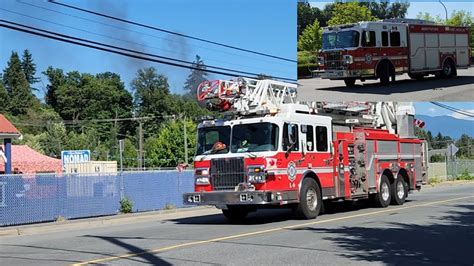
(460, 88)
(436, 226)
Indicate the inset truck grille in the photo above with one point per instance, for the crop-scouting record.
(227, 173)
(333, 60)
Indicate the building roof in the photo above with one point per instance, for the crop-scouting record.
(7, 129)
(28, 161)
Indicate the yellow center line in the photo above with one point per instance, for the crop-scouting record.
(158, 250)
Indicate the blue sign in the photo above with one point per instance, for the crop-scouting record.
(72, 157)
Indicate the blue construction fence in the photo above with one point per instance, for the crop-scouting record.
(30, 198)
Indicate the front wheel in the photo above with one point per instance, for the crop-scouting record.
(350, 82)
(384, 74)
(235, 213)
(310, 200)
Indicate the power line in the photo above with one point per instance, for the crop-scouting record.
(125, 49)
(139, 32)
(456, 110)
(169, 32)
(253, 75)
(126, 41)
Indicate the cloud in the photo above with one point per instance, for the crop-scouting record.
(432, 110)
(464, 117)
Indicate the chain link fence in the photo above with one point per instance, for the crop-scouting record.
(28, 199)
(457, 168)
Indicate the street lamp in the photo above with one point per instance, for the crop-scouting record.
(445, 10)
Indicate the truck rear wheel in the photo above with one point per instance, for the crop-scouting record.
(236, 213)
(399, 191)
(350, 82)
(310, 200)
(382, 199)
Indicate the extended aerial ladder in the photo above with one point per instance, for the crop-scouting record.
(244, 96)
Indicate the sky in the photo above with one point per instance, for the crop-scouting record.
(433, 7)
(265, 26)
(429, 109)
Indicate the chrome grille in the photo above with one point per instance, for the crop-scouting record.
(333, 60)
(227, 173)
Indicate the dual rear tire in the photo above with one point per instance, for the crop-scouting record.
(394, 193)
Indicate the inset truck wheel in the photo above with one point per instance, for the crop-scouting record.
(310, 200)
(350, 82)
(384, 73)
(449, 69)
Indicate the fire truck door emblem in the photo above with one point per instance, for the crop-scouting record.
(291, 171)
(368, 58)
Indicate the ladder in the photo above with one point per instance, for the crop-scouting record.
(245, 95)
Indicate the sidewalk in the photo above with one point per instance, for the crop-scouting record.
(96, 222)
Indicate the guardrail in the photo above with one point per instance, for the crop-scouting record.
(46, 197)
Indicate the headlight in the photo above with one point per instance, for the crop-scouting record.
(321, 60)
(202, 176)
(256, 174)
(348, 59)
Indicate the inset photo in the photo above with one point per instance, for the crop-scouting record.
(371, 51)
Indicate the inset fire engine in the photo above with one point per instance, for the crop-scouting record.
(271, 151)
(383, 49)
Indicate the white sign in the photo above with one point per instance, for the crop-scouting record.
(72, 157)
(452, 149)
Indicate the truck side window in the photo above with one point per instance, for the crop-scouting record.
(309, 138)
(368, 39)
(384, 38)
(286, 140)
(395, 38)
(321, 138)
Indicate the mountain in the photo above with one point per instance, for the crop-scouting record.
(447, 125)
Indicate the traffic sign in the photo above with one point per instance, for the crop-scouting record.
(452, 149)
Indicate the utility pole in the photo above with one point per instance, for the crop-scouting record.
(185, 142)
(140, 144)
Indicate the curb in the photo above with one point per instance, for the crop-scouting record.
(102, 221)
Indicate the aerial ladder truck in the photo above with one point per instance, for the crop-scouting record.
(269, 150)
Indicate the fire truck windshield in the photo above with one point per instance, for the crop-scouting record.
(254, 137)
(341, 39)
(213, 140)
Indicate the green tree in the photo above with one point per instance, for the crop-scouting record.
(152, 98)
(386, 10)
(196, 77)
(350, 12)
(460, 18)
(17, 86)
(54, 140)
(4, 97)
(311, 38)
(306, 16)
(29, 68)
(77, 96)
(464, 144)
(166, 149)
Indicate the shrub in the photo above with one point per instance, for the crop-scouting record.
(434, 180)
(305, 70)
(168, 206)
(465, 176)
(126, 205)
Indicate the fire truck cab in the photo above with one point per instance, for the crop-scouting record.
(384, 49)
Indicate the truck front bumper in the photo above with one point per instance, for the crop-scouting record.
(219, 198)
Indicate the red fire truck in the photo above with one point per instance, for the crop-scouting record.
(383, 49)
(270, 151)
